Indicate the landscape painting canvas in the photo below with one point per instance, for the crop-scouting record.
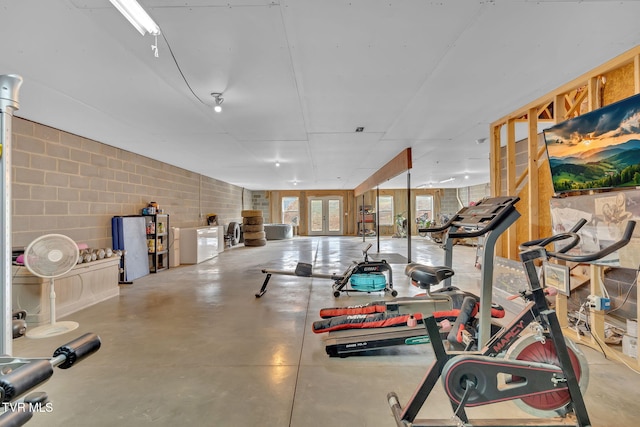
(597, 150)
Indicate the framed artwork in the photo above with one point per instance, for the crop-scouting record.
(596, 150)
(557, 276)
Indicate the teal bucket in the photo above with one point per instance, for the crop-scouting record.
(370, 282)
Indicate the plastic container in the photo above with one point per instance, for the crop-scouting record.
(370, 282)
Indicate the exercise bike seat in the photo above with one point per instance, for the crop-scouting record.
(426, 275)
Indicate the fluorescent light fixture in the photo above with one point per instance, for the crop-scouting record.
(137, 16)
(447, 180)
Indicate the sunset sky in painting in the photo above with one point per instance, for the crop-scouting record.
(611, 125)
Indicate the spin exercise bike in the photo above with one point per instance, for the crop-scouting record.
(542, 372)
(364, 276)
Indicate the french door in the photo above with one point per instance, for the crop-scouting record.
(325, 216)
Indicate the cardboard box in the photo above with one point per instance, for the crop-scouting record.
(630, 346)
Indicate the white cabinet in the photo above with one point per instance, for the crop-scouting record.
(85, 285)
(198, 244)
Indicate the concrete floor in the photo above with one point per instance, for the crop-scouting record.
(192, 346)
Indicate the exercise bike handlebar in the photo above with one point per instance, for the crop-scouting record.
(464, 233)
(626, 237)
(546, 240)
(440, 228)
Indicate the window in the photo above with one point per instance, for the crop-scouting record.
(290, 210)
(385, 210)
(424, 209)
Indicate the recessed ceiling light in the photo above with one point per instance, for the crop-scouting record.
(218, 101)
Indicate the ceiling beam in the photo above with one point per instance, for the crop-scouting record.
(400, 163)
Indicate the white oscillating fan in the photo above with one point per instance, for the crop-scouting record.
(51, 256)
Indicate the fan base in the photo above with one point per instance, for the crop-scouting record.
(46, 331)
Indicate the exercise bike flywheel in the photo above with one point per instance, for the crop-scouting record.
(528, 348)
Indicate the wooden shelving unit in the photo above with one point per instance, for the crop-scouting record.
(597, 320)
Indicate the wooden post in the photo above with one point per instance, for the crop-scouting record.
(533, 174)
(636, 74)
(596, 317)
(511, 183)
(494, 159)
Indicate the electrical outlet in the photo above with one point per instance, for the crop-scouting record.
(599, 303)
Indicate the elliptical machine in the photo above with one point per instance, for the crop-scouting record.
(540, 371)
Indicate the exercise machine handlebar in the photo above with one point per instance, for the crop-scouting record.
(24, 374)
(73, 352)
(575, 239)
(464, 233)
(545, 240)
(440, 228)
(626, 238)
(15, 418)
(562, 255)
(20, 416)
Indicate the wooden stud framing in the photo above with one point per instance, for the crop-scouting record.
(511, 182)
(494, 159)
(565, 102)
(636, 73)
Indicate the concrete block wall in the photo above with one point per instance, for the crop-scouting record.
(479, 192)
(449, 202)
(452, 197)
(67, 184)
(260, 201)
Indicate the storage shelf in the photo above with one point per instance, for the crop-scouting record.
(368, 226)
(158, 260)
(595, 338)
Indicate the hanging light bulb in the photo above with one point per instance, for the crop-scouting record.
(218, 99)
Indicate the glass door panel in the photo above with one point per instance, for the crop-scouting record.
(325, 216)
(334, 216)
(316, 220)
